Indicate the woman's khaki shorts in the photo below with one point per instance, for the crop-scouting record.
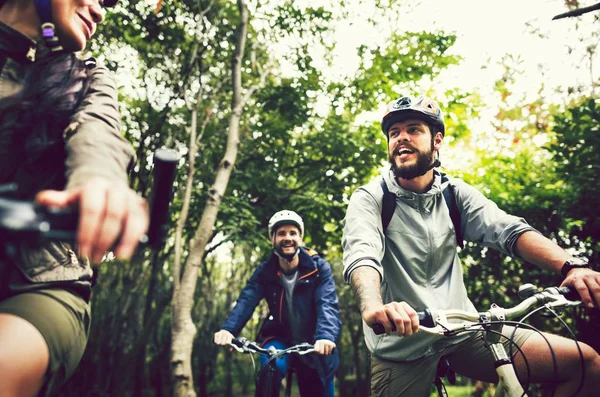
(63, 319)
(470, 358)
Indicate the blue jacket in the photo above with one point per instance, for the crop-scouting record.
(315, 301)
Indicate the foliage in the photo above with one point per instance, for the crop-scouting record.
(577, 160)
(305, 145)
(553, 187)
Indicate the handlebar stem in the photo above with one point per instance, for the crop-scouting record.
(444, 325)
(243, 345)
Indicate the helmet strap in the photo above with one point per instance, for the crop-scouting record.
(437, 163)
(44, 10)
(49, 35)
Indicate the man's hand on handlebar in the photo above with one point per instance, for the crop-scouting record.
(324, 347)
(398, 317)
(587, 284)
(223, 338)
(109, 214)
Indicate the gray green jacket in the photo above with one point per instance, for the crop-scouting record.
(94, 148)
(417, 256)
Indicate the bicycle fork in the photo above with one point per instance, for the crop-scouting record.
(508, 384)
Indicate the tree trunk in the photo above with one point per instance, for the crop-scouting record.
(184, 330)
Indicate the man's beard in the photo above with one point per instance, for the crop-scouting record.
(279, 250)
(423, 164)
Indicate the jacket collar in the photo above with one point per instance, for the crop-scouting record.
(15, 45)
(425, 199)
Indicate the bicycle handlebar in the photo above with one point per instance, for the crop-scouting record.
(425, 318)
(438, 322)
(26, 220)
(243, 345)
(165, 166)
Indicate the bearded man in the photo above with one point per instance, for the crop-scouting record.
(409, 262)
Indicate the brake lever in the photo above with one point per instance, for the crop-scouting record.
(241, 349)
(302, 349)
(307, 351)
(240, 344)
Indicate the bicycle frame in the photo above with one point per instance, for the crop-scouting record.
(508, 383)
(438, 322)
(267, 387)
(493, 320)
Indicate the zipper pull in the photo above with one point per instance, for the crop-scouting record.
(31, 53)
(73, 257)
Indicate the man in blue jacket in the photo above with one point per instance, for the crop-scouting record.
(299, 288)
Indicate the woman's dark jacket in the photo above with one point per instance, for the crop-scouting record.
(314, 299)
(92, 147)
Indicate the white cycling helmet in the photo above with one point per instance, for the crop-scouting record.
(285, 217)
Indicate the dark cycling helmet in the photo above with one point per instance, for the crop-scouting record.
(409, 107)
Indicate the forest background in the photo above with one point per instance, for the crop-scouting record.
(276, 105)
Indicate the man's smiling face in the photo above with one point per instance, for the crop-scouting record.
(286, 240)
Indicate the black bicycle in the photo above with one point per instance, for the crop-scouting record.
(267, 378)
(27, 221)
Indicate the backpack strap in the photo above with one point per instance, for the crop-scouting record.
(450, 198)
(388, 205)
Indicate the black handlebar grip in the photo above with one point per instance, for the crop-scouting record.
(425, 319)
(62, 219)
(570, 293)
(378, 329)
(165, 165)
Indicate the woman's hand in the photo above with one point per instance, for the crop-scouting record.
(109, 214)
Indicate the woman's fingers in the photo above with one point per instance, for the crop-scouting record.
(135, 225)
(109, 215)
(112, 214)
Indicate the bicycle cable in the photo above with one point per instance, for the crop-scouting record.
(511, 344)
(581, 358)
(554, 361)
(519, 350)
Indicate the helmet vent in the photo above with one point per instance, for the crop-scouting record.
(403, 103)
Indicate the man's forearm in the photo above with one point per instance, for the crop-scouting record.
(537, 249)
(366, 283)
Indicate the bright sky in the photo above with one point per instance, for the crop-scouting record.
(488, 30)
(491, 29)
